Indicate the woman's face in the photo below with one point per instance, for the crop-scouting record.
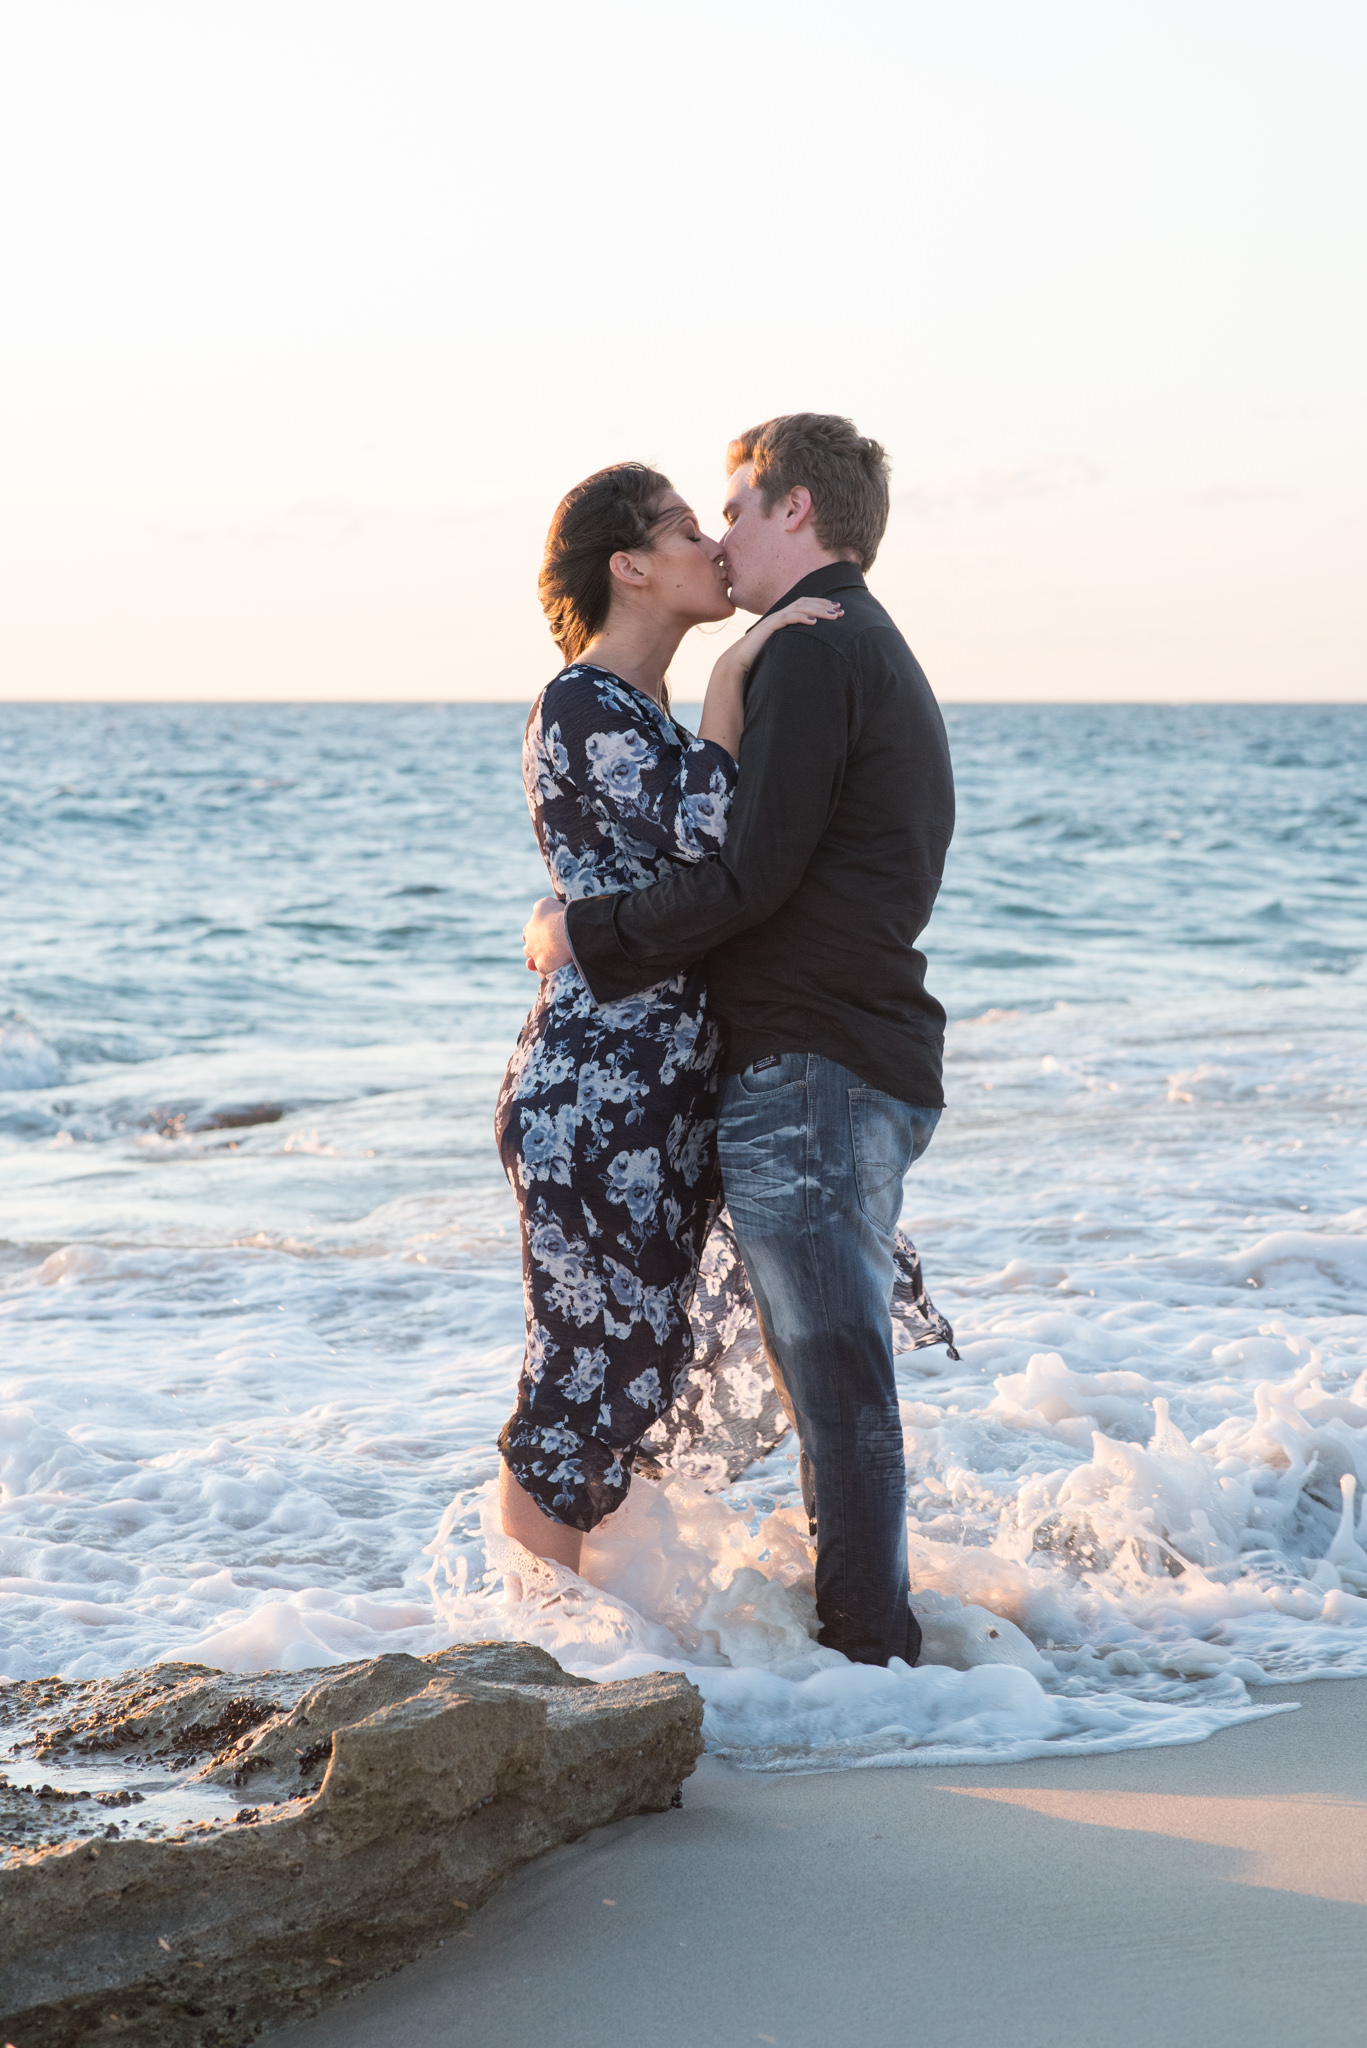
(684, 568)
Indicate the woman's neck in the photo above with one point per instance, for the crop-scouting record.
(637, 650)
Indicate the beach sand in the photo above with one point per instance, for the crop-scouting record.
(1216, 1892)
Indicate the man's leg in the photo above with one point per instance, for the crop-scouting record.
(812, 1162)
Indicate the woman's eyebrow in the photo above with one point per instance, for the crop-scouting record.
(676, 512)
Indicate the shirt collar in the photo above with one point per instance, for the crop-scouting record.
(821, 582)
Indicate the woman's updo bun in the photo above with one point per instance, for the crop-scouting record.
(611, 510)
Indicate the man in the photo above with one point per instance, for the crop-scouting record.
(809, 922)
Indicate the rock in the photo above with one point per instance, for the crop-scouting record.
(964, 1636)
(172, 1713)
(406, 1790)
(291, 1753)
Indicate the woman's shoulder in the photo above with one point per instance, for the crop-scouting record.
(584, 689)
(561, 693)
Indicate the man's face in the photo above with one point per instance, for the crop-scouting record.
(753, 550)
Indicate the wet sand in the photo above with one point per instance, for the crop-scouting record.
(1214, 1893)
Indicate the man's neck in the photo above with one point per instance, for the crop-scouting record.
(796, 571)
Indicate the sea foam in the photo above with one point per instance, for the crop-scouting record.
(252, 1372)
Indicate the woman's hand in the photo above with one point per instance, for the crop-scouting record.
(723, 712)
(803, 611)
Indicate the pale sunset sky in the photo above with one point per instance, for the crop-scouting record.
(314, 308)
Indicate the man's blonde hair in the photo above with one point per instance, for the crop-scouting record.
(846, 473)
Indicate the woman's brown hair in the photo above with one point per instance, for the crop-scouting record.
(612, 510)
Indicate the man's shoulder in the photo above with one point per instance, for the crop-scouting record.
(864, 647)
(870, 640)
(865, 643)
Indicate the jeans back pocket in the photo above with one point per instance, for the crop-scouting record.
(887, 1135)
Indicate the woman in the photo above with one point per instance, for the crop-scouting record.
(607, 1116)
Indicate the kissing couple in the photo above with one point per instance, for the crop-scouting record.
(732, 1006)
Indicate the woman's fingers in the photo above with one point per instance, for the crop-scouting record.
(803, 611)
(807, 611)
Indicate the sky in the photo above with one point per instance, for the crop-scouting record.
(314, 311)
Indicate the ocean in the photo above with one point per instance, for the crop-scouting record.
(260, 1312)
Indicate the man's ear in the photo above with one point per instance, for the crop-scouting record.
(797, 509)
(626, 568)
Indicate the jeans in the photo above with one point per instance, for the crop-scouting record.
(812, 1161)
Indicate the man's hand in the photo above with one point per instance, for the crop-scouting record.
(544, 939)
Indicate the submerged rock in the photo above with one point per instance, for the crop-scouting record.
(965, 1636)
(388, 1799)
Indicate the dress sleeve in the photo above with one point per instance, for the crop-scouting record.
(624, 764)
(793, 750)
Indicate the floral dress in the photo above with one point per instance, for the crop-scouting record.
(608, 1114)
(643, 1347)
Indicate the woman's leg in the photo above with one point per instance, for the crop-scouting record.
(611, 1240)
(532, 1527)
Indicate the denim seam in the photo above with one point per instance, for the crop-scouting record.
(887, 1231)
(842, 1388)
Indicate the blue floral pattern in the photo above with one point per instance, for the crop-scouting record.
(607, 1116)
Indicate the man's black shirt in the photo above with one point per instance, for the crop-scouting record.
(836, 845)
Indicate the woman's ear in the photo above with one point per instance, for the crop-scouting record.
(626, 568)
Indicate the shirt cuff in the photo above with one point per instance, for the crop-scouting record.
(591, 934)
(574, 957)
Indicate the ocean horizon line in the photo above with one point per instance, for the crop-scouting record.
(1297, 702)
